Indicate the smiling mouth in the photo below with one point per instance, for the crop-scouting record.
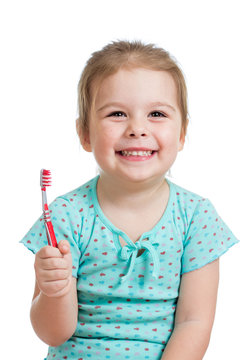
(136, 153)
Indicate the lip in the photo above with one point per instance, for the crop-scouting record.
(137, 149)
(133, 158)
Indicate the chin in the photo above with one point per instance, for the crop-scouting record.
(142, 178)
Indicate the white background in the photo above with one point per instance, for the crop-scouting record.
(44, 46)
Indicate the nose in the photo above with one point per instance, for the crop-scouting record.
(137, 129)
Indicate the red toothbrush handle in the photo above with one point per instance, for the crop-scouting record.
(51, 238)
(51, 234)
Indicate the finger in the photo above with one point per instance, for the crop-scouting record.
(54, 275)
(53, 264)
(64, 247)
(48, 252)
(51, 288)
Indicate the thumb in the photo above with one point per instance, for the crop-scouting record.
(64, 247)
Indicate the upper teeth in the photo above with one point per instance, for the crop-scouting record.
(136, 153)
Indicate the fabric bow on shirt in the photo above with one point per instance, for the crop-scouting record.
(131, 251)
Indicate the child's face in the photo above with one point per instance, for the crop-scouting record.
(135, 126)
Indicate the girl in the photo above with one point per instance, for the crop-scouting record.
(136, 268)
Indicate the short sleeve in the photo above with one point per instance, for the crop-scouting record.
(208, 238)
(67, 226)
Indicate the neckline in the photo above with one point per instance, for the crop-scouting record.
(118, 231)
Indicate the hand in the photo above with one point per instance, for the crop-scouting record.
(53, 268)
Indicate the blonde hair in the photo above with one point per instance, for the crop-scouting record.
(125, 54)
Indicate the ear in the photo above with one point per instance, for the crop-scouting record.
(84, 138)
(182, 137)
(182, 140)
(85, 142)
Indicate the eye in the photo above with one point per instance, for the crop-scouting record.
(117, 114)
(157, 114)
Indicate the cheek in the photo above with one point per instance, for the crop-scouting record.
(106, 136)
(102, 142)
(110, 130)
(169, 137)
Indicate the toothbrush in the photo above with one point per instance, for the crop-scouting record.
(45, 180)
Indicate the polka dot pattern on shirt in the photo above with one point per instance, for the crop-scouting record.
(127, 302)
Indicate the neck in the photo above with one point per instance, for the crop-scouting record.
(127, 194)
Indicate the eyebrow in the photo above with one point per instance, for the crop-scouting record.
(159, 103)
(115, 103)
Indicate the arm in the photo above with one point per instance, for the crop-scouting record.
(194, 314)
(54, 307)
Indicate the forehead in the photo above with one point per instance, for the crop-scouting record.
(137, 83)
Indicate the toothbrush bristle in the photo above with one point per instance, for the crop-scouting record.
(45, 178)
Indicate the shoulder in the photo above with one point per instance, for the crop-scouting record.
(187, 199)
(82, 191)
(183, 195)
(82, 195)
(188, 206)
(76, 202)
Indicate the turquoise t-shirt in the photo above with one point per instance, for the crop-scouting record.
(126, 297)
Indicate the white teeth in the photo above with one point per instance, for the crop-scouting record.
(136, 153)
